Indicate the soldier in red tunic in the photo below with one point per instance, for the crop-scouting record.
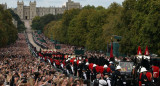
(155, 70)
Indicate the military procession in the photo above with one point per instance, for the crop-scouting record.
(94, 69)
(95, 43)
(139, 70)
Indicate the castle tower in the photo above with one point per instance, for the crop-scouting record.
(20, 9)
(33, 12)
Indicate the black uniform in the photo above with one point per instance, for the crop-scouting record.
(88, 72)
(105, 72)
(69, 68)
(117, 79)
(143, 78)
(75, 68)
(94, 73)
(80, 70)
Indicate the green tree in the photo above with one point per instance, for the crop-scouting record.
(66, 19)
(96, 20)
(20, 24)
(89, 7)
(39, 23)
(8, 32)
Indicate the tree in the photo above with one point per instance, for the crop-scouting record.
(89, 7)
(39, 23)
(8, 32)
(66, 19)
(96, 20)
(20, 24)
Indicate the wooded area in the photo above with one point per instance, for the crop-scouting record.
(8, 32)
(137, 21)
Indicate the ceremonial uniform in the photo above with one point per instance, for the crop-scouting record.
(88, 72)
(72, 69)
(117, 79)
(75, 68)
(112, 67)
(80, 70)
(105, 72)
(144, 80)
(155, 70)
(109, 70)
(94, 73)
(140, 78)
(68, 67)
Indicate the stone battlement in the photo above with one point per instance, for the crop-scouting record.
(29, 12)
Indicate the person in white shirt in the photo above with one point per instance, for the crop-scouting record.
(102, 82)
(105, 81)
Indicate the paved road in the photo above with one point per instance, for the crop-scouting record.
(29, 33)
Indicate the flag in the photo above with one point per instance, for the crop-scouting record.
(146, 51)
(111, 51)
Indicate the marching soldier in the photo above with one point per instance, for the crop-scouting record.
(88, 73)
(75, 67)
(155, 70)
(84, 76)
(72, 69)
(117, 78)
(94, 71)
(143, 80)
(80, 69)
(105, 70)
(111, 66)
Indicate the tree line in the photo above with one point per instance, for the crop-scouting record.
(8, 32)
(20, 24)
(137, 21)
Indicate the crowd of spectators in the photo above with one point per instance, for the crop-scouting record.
(19, 68)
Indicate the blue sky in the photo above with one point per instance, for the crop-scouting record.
(59, 3)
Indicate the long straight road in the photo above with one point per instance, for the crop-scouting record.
(29, 33)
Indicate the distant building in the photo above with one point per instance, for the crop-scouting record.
(4, 6)
(70, 5)
(29, 12)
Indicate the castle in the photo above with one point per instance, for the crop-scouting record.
(29, 12)
(4, 6)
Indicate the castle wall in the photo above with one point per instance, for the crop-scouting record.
(29, 12)
(26, 13)
(4, 6)
(20, 9)
(70, 5)
(33, 9)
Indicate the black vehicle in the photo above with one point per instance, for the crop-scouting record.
(127, 72)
